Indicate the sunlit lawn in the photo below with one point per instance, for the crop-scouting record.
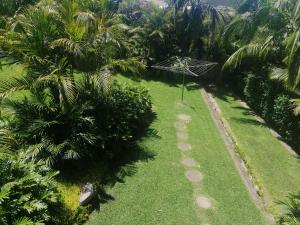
(276, 169)
(158, 192)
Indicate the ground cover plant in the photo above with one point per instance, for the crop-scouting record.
(28, 191)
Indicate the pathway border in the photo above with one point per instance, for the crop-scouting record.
(224, 129)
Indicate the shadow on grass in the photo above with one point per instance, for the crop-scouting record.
(219, 92)
(104, 171)
(248, 121)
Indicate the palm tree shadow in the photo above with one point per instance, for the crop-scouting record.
(117, 171)
(105, 172)
(248, 121)
(218, 91)
(125, 165)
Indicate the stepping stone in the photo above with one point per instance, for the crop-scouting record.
(194, 176)
(182, 136)
(204, 202)
(180, 126)
(184, 117)
(184, 146)
(180, 104)
(189, 162)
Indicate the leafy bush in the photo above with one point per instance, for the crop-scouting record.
(100, 122)
(28, 192)
(253, 91)
(291, 210)
(122, 115)
(283, 117)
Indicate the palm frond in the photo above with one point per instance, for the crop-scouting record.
(23, 221)
(70, 46)
(291, 209)
(102, 79)
(257, 51)
(293, 60)
(297, 12)
(7, 137)
(68, 90)
(8, 87)
(132, 65)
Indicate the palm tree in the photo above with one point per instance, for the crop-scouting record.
(272, 31)
(54, 40)
(197, 25)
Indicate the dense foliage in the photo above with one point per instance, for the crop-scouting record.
(264, 39)
(28, 193)
(67, 117)
(291, 210)
(98, 123)
(266, 33)
(73, 109)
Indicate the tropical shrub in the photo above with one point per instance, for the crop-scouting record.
(100, 121)
(53, 39)
(28, 193)
(266, 33)
(291, 209)
(123, 115)
(253, 91)
(283, 118)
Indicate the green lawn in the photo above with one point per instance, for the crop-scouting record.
(158, 192)
(275, 168)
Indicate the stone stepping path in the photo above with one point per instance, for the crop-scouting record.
(180, 126)
(184, 146)
(184, 117)
(192, 174)
(189, 162)
(204, 202)
(182, 135)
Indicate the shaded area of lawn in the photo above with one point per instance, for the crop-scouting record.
(100, 171)
(275, 168)
(159, 193)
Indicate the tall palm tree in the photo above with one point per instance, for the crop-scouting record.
(197, 25)
(54, 39)
(269, 33)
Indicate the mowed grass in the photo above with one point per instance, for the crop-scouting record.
(158, 192)
(276, 169)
